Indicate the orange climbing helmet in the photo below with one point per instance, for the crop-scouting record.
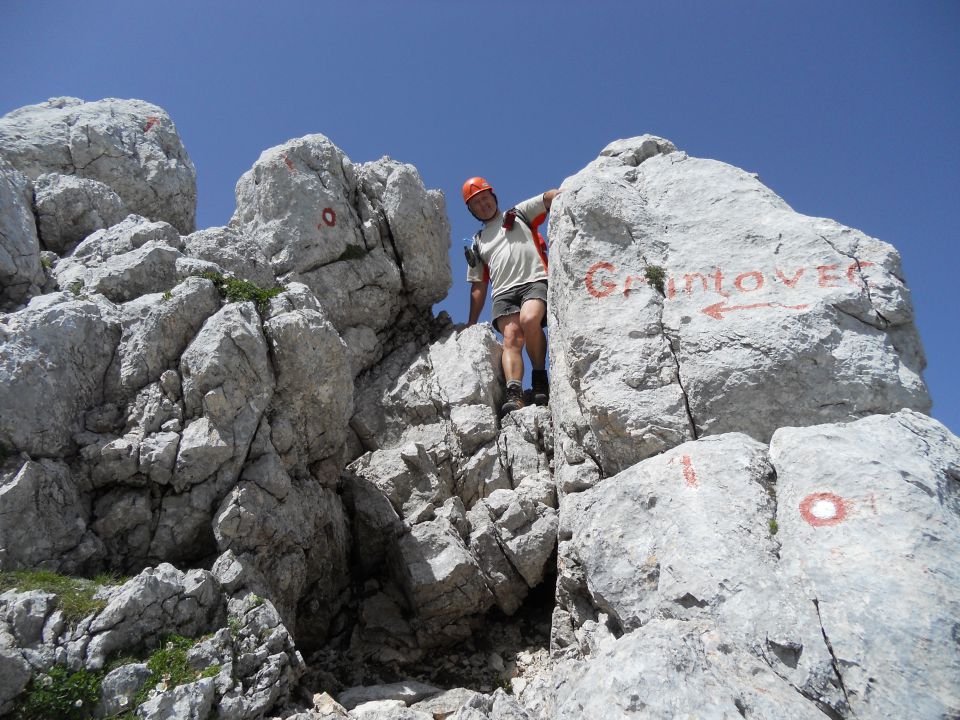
(473, 186)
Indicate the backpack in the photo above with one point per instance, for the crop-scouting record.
(472, 252)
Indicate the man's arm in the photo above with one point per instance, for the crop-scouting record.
(478, 296)
(548, 197)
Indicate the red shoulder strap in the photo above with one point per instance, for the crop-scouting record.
(538, 240)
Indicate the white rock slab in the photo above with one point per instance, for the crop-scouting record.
(130, 145)
(766, 317)
(869, 516)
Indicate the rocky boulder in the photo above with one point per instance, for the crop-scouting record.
(784, 554)
(21, 274)
(131, 146)
(130, 259)
(179, 645)
(53, 358)
(369, 241)
(687, 299)
(453, 510)
(69, 208)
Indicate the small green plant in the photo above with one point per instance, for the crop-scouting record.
(75, 595)
(774, 528)
(76, 287)
(235, 290)
(210, 672)
(233, 622)
(655, 276)
(60, 694)
(352, 252)
(167, 295)
(169, 667)
(46, 262)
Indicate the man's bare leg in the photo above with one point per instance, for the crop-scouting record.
(513, 338)
(512, 361)
(531, 319)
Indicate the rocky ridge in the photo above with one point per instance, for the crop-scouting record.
(734, 483)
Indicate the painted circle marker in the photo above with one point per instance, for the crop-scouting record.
(329, 217)
(821, 509)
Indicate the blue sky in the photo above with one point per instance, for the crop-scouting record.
(848, 110)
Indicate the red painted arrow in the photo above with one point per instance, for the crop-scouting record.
(717, 309)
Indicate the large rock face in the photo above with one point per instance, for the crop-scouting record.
(130, 146)
(814, 556)
(368, 240)
(720, 530)
(454, 510)
(765, 318)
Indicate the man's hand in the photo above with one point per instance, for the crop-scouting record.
(548, 197)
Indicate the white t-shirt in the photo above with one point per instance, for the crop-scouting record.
(511, 254)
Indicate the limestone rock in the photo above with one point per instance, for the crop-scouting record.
(157, 329)
(505, 582)
(120, 687)
(123, 262)
(21, 274)
(771, 549)
(43, 521)
(26, 613)
(130, 145)
(443, 581)
(15, 671)
(227, 376)
(687, 535)
(784, 320)
(53, 357)
(669, 668)
(158, 602)
(408, 692)
(408, 477)
(869, 523)
(498, 706)
(386, 710)
(311, 403)
(416, 224)
(527, 528)
(446, 704)
(319, 222)
(294, 534)
(479, 497)
(265, 663)
(232, 251)
(69, 208)
(467, 367)
(192, 701)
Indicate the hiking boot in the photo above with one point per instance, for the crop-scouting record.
(541, 387)
(514, 399)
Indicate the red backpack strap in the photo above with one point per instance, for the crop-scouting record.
(538, 240)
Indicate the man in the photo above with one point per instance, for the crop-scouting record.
(509, 251)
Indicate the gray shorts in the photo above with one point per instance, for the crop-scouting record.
(509, 301)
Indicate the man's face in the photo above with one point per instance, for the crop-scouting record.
(483, 205)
